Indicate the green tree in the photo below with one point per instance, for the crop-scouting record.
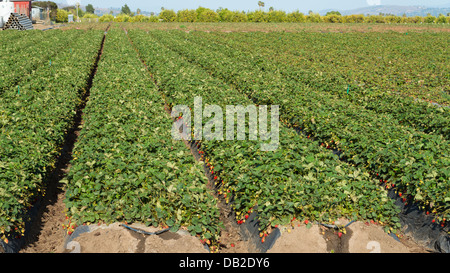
(227, 15)
(208, 15)
(313, 18)
(51, 6)
(415, 19)
(441, 19)
(295, 17)
(140, 18)
(429, 19)
(168, 15)
(199, 10)
(62, 16)
(90, 9)
(106, 18)
(333, 18)
(90, 15)
(153, 18)
(333, 13)
(187, 15)
(239, 16)
(126, 9)
(354, 18)
(261, 4)
(257, 16)
(375, 19)
(392, 19)
(138, 11)
(123, 18)
(277, 16)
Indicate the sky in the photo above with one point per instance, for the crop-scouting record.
(246, 5)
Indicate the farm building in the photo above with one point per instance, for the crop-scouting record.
(12, 6)
(37, 13)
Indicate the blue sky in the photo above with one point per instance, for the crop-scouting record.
(287, 5)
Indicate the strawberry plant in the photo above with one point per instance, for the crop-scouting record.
(323, 74)
(33, 127)
(18, 60)
(299, 179)
(126, 166)
(376, 142)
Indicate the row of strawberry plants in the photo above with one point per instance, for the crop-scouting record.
(126, 165)
(18, 61)
(9, 36)
(416, 163)
(325, 75)
(299, 180)
(33, 125)
(412, 64)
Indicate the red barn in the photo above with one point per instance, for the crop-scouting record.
(22, 7)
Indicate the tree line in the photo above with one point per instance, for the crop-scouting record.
(203, 14)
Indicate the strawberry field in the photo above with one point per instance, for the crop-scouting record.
(361, 115)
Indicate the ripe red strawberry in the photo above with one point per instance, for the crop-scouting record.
(340, 234)
(232, 245)
(432, 221)
(400, 194)
(306, 221)
(215, 177)
(246, 216)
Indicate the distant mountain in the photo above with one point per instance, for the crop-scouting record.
(396, 10)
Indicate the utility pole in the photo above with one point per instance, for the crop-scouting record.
(78, 5)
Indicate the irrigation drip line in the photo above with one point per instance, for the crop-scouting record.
(335, 226)
(145, 232)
